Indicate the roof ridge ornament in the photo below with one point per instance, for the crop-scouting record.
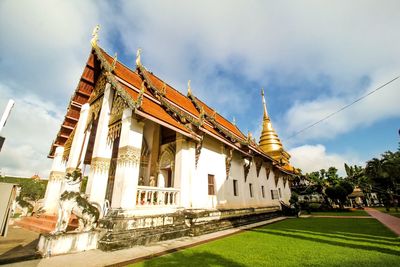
(189, 89)
(164, 89)
(95, 36)
(234, 121)
(114, 62)
(138, 62)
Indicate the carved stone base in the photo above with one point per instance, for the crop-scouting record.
(125, 232)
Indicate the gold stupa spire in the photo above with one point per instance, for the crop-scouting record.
(269, 140)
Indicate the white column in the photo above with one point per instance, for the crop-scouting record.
(128, 163)
(102, 151)
(53, 189)
(184, 169)
(75, 154)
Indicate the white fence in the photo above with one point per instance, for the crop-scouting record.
(157, 196)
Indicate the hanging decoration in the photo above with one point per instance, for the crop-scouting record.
(246, 167)
(228, 161)
(259, 163)
(268, 168)
(277, 175)
(199, 145)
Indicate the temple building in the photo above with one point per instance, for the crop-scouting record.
(151, 152)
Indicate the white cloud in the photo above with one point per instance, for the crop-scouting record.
(381, 104)
(44, 45)
(29, 131)
(311, 158)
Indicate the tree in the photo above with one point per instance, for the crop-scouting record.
(32, 190)
(384, 174)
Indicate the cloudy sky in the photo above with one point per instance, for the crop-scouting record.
(312, 58)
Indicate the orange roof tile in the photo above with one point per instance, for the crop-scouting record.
(153, 109)
(221, 120)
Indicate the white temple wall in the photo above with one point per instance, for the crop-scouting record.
(212, 161)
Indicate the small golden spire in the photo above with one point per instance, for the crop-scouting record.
(264, 103)
(114, 62)
(95, 36)
(269, 140)
(138, 62)
(189, 88)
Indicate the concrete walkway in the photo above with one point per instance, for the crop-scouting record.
(123, 257)
(391, 222)
(18, 245)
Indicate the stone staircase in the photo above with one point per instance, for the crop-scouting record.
(44, 223)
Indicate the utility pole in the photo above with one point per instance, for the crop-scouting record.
(4, 118)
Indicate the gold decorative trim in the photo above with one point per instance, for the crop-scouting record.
(98, 88)
(68, 144)
(128, 155)
(117, 109)
(100, 164)
(114, 131)
(56, 176)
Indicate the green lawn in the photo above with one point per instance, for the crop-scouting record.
(391, 212)
(296, 242)
(340, 213)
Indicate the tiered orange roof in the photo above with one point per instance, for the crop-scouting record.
(160, 103)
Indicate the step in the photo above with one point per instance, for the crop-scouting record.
(45, 224)
(34, 227)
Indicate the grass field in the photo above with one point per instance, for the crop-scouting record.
(296, 242)
(391, 212)
(340, 213)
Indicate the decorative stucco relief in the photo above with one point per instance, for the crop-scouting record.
(128, 156)
(100, 164)
(56, 176)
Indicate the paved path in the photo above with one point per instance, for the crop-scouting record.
(123, 257)
(391, 222)
(19, 244)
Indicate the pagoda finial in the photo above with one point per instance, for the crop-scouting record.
(95, 36)
(138, 62)
(189, 88)
(264, 104)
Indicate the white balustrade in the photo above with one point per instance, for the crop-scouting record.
(157, 196)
